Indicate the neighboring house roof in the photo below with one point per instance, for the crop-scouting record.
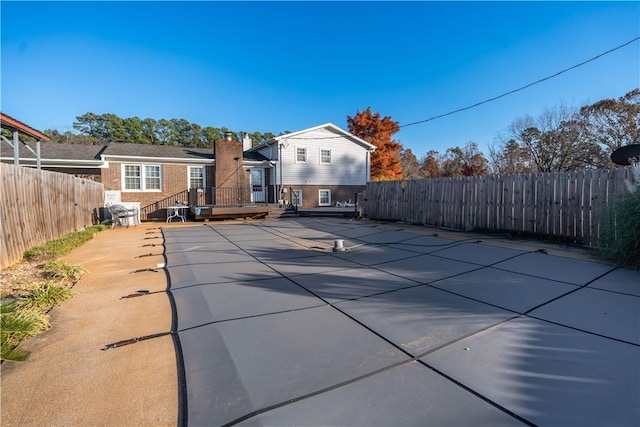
(12, 124)
(53, 154)
(327, 126)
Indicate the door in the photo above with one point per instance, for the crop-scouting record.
(296, 198)
(257, 186)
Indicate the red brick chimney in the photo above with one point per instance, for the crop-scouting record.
(229, 172)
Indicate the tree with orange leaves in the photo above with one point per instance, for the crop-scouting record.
(385, 160)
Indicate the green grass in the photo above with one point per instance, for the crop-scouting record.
(16, 325)
(620, 239)
(25, 316)
(43, 296)
(62, 245)
(61, 270)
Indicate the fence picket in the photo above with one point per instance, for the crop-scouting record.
(38, 206)
(561, 204)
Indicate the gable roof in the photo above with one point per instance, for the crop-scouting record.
(341, 133)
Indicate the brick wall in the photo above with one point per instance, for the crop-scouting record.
(339, 193)
(174, 180)
(229, 171)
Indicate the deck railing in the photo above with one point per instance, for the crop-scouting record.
(226, 196)
(205, 196)
(157, 209)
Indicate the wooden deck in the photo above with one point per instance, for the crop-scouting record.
(223, 212)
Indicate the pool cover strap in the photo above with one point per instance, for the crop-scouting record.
(134, 340)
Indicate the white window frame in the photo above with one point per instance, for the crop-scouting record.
(320, 155)
(143, 178)
(306, 154)
(204, 176)
(328, 203)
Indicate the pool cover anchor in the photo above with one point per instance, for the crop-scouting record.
(146, 255)
(139, 293)
(155, 270)
(134, 340)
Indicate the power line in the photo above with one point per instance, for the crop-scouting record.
(521, 88)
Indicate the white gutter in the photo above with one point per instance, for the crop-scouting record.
(146, 159)
(57, 162)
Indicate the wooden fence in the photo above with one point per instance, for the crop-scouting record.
(571, 204)
(38, 206)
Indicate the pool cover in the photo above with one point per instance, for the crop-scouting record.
(272, 327)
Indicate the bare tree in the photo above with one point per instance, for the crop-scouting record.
(410, 165)
(550, 142)
(609, 124)
(510, 158)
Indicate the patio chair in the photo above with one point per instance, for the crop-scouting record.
(119, 213)
(345, 204)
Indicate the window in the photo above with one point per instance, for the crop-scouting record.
(325, 156)
(152, 179)
(301, 154)
(324, 197)
(136, 177)
(196, 177)
(132, 177)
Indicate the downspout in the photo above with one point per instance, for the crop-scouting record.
(38, 159)
(280, 195)
(238, 189)
(16, 149)
(367, 178)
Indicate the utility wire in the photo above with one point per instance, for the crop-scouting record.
(521, 88)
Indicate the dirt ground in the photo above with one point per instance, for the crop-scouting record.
(68, 380)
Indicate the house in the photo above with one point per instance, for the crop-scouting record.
(318, 166)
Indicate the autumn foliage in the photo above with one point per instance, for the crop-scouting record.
(385, 160)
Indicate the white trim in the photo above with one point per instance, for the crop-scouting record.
(147, 159)
(306, 154)
(320, 150)
(329, 126)
(57, 162)
(204, 175)
(320, 197)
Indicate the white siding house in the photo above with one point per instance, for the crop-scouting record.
(320, 165)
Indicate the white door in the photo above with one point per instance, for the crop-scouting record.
(257, 185)
(296, 198)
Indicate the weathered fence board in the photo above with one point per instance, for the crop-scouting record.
(38, 206)
(569, 205)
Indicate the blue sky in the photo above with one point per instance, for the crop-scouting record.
(276, 66)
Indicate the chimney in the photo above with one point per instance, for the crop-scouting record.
(228, 171)
(246, 142)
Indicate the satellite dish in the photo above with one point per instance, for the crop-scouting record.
(626, 155)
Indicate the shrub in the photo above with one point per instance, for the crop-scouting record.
(43, 296)
(620, 239)
(62, 270)
(62, 245)
(17, 325)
